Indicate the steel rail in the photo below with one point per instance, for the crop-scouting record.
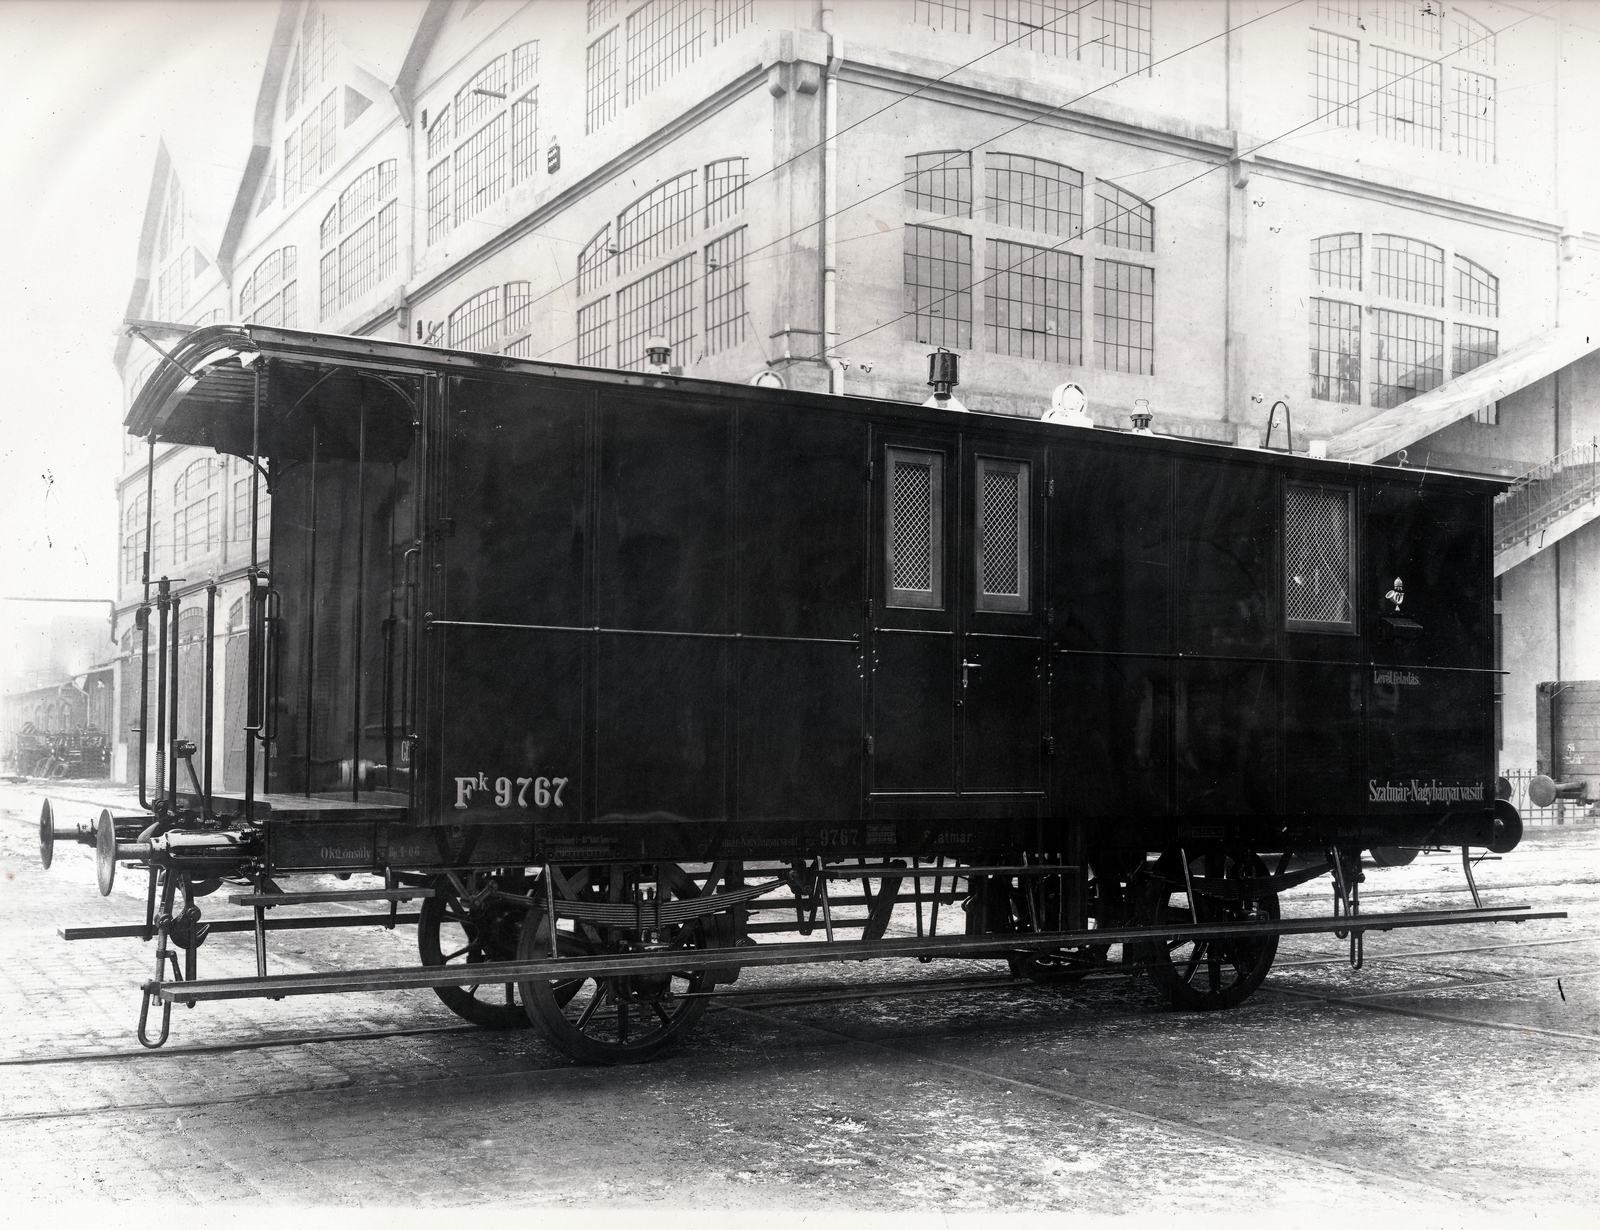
(668, 960)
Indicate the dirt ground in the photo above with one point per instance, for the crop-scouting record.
(1451, 1081)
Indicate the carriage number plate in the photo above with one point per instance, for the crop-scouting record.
(508, 792)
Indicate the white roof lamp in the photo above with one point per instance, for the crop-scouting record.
(1141, 417)
(944, 373)
(1069, 406)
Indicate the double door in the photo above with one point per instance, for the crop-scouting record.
(957, 618)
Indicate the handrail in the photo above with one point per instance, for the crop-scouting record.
(1546, 492)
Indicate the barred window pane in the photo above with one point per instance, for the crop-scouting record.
(664, 38)
(439, 133)
(1472, 103)
(1472, 39)
(725, 292)
(522, 348)
(1407, 104)
(1473, 348)
(197, 501)
(388, 247)
(1001, 492)
(480, 176)
(1407, 269)
(1338, 12)
(330, 133)
(1125, 220)
(525, 137)
(439, 201)
(938, 287)
(731, 16)
(1477, 290)
(355, 264)
(519, 308)
(291, 167)
(1335, 78)
(1408, 357)
(1050, 26)
(952, 15)
(914, 529)
(1124, 317)
(1318, 558)
(329, 230)
(481, 95)
(1336, 351)
(600, 12)
(940, 182)
(475, 324)
(592, 328)
(660, 304)
(656, 223)
(724, 190)
(1124, 35)
(594, 261)
(600, 82)
(1033, 195)
(1033, 302)
(1410, 21)
(1336, 260)
(524, 63)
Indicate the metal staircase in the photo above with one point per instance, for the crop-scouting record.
(1546, 504)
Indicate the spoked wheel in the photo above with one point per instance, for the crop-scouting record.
(625, 1019)
(451, 931)
(1200, 975)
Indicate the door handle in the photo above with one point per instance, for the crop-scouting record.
(968, 666)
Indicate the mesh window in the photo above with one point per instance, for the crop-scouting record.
(1002, 538)
(1318, 554)
(914, 538)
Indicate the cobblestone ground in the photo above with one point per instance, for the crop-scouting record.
(1450, 1080)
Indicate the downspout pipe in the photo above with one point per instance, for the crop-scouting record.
(830, 194)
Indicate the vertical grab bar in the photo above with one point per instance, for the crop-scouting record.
(172, 713)
(211, 683)
(163, 602)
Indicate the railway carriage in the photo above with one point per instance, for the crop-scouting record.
(625, 677)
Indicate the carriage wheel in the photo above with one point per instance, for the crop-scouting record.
(1201, 975)
(626, 1019)
(449, 932)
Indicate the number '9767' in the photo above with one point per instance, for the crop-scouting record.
(511, 792)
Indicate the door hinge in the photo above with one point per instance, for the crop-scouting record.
(869, 745)
(869, 472)
(1049, 745)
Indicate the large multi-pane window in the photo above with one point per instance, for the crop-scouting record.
(1401, 295)
(268, 296)
(1124, 317)
(134, 538)
(600, 78)
(1112, 33)
(677, 288)
(359, 238)
(197, 508)
(239, 518)
(635, 48)
(311, 61)
(1035, 253)
(484, 141)
(938, 287)
(311, 150)
(496, 319)
(174, 257)
(1033, 302)
(660, 304)
(1427, 82)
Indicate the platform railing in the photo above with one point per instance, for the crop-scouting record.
(1547, 492)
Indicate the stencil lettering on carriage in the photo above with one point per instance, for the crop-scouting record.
(525, 792)
(1418, 791)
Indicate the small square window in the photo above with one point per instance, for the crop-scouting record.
(1000, 490)
(914, 529)
(1319, 559)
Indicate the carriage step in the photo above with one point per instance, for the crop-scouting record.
(803, 953)
(362, 894)
(888, 871)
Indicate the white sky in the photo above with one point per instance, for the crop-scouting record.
(87, 88)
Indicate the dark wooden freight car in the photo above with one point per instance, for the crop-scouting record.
(538, 626)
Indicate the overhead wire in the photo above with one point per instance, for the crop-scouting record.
(900, 184)
(1238, 156)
